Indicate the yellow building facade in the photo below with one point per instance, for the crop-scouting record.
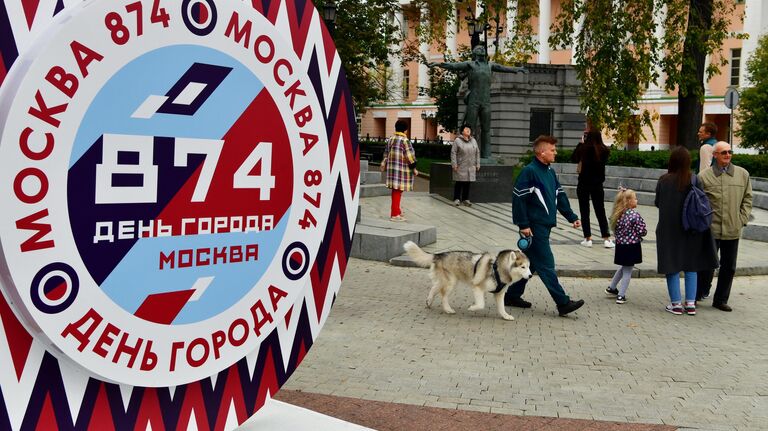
(405, 102)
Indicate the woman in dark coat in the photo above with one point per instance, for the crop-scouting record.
(676, 249)
(592, 155)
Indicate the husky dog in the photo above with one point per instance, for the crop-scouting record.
(482, 271)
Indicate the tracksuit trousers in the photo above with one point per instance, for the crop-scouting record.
(543, 263)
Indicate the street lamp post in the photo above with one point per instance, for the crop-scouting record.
(473, 28)
(476, 26)
(426, 116)
(329, 15)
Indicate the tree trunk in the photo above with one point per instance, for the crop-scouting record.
(690, 108)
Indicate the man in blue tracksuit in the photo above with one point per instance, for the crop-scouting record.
(537, 197)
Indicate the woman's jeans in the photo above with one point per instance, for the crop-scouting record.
(673, 285)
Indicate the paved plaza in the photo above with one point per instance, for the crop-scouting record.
(631, 363)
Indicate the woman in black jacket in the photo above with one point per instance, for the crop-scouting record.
(677, 250)
(592, 155)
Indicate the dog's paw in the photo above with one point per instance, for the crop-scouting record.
(475, 307)
(508, 317)
(449, 311)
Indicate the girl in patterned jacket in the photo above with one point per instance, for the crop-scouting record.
(629, 229)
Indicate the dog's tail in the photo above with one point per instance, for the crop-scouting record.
(482, 268)
(421, 257)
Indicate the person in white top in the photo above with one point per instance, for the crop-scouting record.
(707, 138)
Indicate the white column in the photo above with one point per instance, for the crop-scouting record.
(545, 19)
(511, 17)
(478, 11)
(707, 90)
(578, 26)
(756, 25)
(451, 27)
(423, 69)
(395, 82)
(657, 90)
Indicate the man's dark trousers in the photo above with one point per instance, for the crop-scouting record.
(543, 263)
(729, 249)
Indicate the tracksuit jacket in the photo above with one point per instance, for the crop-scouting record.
(538, 196)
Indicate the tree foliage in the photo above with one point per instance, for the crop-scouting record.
(444, 88)
(620, 51)
(365, 36)
(618, 45)
(614, 50)
(515, 50)
(753, 108)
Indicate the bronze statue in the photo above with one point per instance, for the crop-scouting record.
(478, 98)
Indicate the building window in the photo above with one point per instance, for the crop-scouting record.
(359, 124)
(406, 83)
(735, 66)
(541, 123)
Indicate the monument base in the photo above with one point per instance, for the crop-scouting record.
(490, 160)
(494, 182)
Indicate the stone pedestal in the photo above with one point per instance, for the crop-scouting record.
(543, 101)
(494, 183)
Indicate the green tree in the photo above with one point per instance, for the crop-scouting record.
(705, 30)
(365, 35)
(444, 88)
(619, 54)
(753, 108)
(517, 49)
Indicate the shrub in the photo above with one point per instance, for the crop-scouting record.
(757, 165)
(436, 152)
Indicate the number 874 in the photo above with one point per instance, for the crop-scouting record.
(143, 173)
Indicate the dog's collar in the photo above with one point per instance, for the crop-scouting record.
(499, 284)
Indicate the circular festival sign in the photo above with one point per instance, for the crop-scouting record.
(176, 172)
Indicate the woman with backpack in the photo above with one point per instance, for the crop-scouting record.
(678, 249)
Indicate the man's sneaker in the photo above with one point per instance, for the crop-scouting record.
(456, 202)
(517, 302)
(690, 308)
(587, 243)
(621, 299)
(609, 244)
(467, 203)
(612, 292)
(675, 309)
(569, 307)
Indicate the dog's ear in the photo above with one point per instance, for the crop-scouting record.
(519, 257)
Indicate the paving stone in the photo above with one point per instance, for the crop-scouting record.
(631, 363)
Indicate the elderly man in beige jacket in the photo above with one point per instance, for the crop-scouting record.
(730, 192)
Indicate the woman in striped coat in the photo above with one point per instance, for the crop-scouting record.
(399, 163)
